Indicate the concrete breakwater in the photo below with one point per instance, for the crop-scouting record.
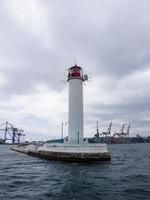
(67, 152)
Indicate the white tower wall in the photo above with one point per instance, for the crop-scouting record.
(75, 126)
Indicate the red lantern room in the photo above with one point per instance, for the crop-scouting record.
(74, 72)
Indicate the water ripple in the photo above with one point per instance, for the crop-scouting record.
(126, 177)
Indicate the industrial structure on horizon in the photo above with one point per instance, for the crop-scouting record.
(107, 137)
(10, 133)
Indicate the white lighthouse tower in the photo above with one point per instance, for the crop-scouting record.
(76, 124)
(75, 150)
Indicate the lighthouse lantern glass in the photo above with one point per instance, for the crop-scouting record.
(74, 72)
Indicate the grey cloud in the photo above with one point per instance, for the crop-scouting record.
(25, 61)
(110, 38)
(135, 114)
(117, 45)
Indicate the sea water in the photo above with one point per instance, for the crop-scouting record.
(126, 177)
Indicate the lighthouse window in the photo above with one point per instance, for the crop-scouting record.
(75, 72)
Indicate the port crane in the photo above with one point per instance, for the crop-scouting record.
(108, 132)
(122, 133)
(11, 133)
(97, 130)
(128, 130)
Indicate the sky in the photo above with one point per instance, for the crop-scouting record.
(40, 39)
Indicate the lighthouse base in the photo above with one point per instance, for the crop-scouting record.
(68, 152)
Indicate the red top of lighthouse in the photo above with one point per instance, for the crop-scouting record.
(75, 72)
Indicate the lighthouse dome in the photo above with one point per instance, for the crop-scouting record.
(75, 72)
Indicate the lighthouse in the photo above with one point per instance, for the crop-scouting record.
(75, 150)
(75, 114)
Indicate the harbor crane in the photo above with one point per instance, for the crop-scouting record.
(128, 130)
(108, 132)
(97, 130)
(122, 130)
(122, 133)
(11, 133)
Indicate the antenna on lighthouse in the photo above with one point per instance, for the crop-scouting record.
(75, 60)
